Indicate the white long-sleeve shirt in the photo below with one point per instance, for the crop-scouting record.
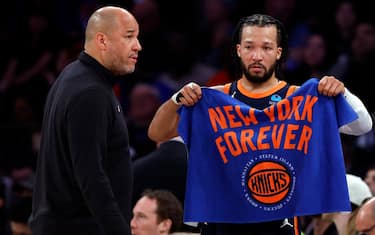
(363, 124)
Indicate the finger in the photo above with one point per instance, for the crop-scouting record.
(337, 89)
(193, 90)
(321, 86)
(189, 100)
(324, 88)
(323, 81)
(331, 90)
(190, 95)
(196, 89)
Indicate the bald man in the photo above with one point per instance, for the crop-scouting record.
(365, 220)
(84, 175)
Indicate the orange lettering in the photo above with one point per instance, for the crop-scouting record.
(228, 111)
(246, 136)
(262, 136)
(290, 136)
(270, 112)
(221, 149)
(247, 119)
(296, 101)
(277, 134)
(232, 143)
(217, 117)
(307, 109)
(283, 109)
(304, 139)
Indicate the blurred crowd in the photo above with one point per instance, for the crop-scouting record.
(182, 41)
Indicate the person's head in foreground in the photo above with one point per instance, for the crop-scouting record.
(157, 212)
(365, 221)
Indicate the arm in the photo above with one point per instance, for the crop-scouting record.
(330, 86)
(363, 123)
(9, 74)
(165, 122)
(36, 68)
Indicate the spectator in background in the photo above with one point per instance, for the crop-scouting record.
(19, 215)
(357, 69)
(345, 20)
(32, 55)
(157, 212)
(340, 35)
(215, 30)
(315, 60)
(164, 168)
(144, 100)
(359, 192)
(20, 206)
(69, 51)
(342, 223)
(360, 62)
(17, 159)
(365, 221)
(370, 178)
(181, 65)
(147, 13)
(3, 216)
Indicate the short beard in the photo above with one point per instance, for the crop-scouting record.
(258, 79)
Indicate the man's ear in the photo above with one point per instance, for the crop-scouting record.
(279, 52)
(238, 50)
(165, 225)
(101, 40)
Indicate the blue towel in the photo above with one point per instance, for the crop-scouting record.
(247, 165)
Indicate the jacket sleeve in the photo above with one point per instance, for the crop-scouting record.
(88, 121)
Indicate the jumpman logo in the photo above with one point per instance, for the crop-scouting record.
(286, 223)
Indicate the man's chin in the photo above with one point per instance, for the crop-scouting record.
(255, 79)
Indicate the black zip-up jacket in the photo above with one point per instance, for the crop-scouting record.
(84, 174)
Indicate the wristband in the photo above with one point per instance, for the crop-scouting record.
(176, 98)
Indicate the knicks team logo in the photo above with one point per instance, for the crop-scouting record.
(268, 181)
